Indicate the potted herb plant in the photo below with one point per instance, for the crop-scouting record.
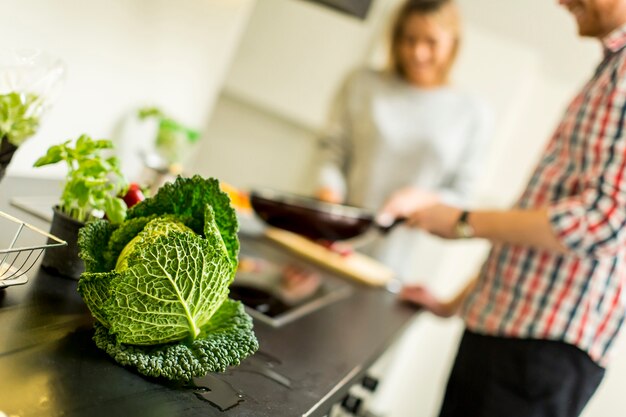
(92, 184)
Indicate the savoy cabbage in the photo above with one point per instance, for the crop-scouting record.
(157, 283)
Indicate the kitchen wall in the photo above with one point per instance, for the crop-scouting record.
(123, 54)
(524, 58)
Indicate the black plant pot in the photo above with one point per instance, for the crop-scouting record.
(7, 150)
(64, 261)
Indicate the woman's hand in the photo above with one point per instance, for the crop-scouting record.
(422, 297)
(405, 202)
(328, 195)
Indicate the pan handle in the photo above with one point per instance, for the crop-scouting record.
(387, 228)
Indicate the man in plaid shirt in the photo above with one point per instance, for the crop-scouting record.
(543, 314)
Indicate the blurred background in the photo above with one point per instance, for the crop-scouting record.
(255, 77)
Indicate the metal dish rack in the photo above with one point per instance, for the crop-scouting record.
(16, 260)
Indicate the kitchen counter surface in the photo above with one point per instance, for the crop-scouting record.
(49, 366)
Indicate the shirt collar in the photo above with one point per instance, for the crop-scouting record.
(615, 40)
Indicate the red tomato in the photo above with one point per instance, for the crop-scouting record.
(134, 195)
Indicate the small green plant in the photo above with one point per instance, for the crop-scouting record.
(93, 181)
(174, 141)
(19, 116)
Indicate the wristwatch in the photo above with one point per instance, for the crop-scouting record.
(463, 229)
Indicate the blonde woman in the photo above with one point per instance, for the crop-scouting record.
(406, 132)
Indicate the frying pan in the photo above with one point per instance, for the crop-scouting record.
(313, 218)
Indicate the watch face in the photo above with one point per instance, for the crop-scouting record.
(464, 230)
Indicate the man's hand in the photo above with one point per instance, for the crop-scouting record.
(422, 297)
(406, 201)
(439, 220)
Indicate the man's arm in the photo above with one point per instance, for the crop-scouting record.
(517, 227)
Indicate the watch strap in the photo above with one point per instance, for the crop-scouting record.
(463, 229)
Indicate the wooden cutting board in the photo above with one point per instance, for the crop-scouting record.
(355, 265)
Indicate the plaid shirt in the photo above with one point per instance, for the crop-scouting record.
(577, 298)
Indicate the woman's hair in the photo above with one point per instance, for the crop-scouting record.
(446, 13)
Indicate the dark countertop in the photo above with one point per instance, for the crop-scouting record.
(49, 366)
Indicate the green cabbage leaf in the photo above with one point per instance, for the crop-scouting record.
(157, 284)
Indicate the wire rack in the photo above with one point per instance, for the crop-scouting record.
(16, 260)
